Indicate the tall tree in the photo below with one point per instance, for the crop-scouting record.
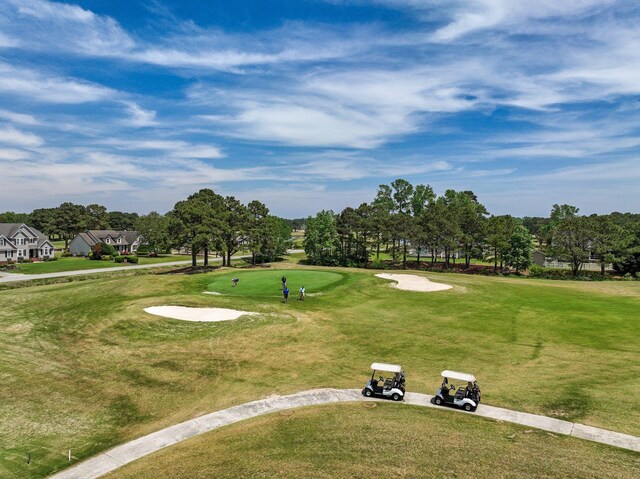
(571, 236)
(43, 219)
(68, 221)
(235, 226)
(11, 217)
(518, 253)
(121, 221)
(97, 217)
(154, 229)
(257, 228)
(196, 223)
(499, 231)
(610, 240)
(321, 240)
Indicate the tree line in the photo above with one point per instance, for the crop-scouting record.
(403, 217)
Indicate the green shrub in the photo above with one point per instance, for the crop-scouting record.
(66, 254)
(107, 257)
(119, 259)
(377, 263)
(132, 259)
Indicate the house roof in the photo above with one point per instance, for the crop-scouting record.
(10, 229)
(93, 237)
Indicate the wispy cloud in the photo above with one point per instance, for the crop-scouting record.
(50, 88)
(11, 136)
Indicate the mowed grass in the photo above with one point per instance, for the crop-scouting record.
(76, 264)
(389, 440)
(268, 284)
(82, 367)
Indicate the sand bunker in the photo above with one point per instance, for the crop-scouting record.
(196, 314)
(411, 282)
(212, 292)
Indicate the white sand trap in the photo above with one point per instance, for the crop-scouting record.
(411, 282)
(212, 292)
(196, 314)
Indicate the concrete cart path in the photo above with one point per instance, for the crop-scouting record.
(12, 277)
(130, 451)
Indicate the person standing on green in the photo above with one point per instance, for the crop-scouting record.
(284, 282)
(301, 290)
(285, 293)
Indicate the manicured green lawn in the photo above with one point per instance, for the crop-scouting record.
(268, 284)
(388, 440)
(75, 264)
(83, 367)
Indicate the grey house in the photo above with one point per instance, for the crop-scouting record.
(19, 241)
(122, 241)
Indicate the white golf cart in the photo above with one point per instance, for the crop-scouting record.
(466, 397)
(392, 387)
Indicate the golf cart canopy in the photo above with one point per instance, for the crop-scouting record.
(393, 368)
(470, 378)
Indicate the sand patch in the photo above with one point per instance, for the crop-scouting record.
(196, 314)
(212, 292)
(411, 282)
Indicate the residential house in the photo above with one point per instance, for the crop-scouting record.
(19, 241)
(122, 241)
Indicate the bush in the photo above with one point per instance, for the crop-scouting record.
(119, 259)
(101, 249)
(8, 266)
(132, 259)
(557, 273)
(378, 264)
(66, 254)
(107, 257)
(142, 250)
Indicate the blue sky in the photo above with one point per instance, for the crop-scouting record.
(311, 104)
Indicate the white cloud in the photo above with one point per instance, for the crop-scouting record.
(21, 118)
(11, 136)
(139, 117)
(10, 154)
(50, 88)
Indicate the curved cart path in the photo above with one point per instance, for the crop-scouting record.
(130, 451)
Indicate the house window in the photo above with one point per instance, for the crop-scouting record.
(119, 240)
(1, 242)
(107, 241)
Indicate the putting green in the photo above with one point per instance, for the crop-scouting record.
(269, 283)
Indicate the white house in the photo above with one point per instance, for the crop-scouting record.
(19, 241)
(121, 240)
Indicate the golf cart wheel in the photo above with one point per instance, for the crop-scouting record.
(438, 401)
(367, 392)
(396, 397)
(467, 407)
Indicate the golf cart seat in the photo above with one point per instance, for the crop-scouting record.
(388, 383)
(461, 393)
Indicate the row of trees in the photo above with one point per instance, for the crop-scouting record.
(207, 222)
(403, 217)
(608, 239)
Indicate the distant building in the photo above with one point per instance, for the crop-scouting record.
(19, 241)
(122, 241)
(539, 258)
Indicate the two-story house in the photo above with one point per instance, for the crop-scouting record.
(19, 241)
